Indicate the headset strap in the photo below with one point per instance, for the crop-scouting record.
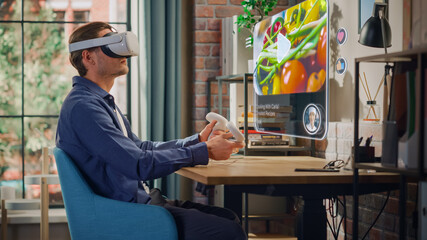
(96, 42)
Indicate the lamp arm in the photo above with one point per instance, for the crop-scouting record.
(381, 13)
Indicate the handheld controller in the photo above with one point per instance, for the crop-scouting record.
(223, 124)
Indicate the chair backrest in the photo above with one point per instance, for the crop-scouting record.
(78, 196)
(91, 216)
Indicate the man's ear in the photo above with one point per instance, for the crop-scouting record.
(87, 57)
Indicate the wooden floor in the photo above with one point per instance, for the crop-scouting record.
(268, 236)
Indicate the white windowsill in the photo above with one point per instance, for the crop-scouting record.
(33, 216)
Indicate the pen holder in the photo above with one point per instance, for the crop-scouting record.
(366, 154)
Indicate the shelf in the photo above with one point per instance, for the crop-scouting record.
(233, 78)
(245, 79)
(404, 56)
(279, 148)
(382, 168)
(417, 58)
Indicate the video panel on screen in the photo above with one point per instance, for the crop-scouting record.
(291, 72)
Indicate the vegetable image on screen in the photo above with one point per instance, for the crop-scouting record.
(291, 74)
(293, 55)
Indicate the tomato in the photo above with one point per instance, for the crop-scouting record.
(310, 63)
(316, 81)
(322, 47)
(294, 77)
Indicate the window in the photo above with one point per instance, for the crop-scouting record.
(36, 75)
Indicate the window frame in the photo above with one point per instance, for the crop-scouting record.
(23, 116)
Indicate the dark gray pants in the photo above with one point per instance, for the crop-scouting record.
(201, 222)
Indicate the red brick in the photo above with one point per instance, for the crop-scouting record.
(199, 62)
(200, 101)
(199, 88)
(225, 101)
(227, 11)
(276, 10)
(215, 50)
(204, 11)
(391, 236)
(214, 89)
(236, 2)
(217, 2)
(202, 50)
(282, 3)
(214, 24)
(207, 37)
(203, 76)
(200, 113)
(374, 234)
(212, 63)
(200, 24)
(392, 206)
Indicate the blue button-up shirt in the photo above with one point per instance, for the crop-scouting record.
(114, 165)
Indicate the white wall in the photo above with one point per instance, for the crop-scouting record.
(346, 13)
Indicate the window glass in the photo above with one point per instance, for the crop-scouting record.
(77, 10)
(39, 134)
(11, 69)
(48, 72)
(35, 77)
(11, 152)
(10, 10)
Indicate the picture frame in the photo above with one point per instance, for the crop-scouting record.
(365, 10)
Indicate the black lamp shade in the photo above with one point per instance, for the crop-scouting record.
(371, 34)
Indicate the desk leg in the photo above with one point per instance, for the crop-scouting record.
(233, 201)
(313, 225)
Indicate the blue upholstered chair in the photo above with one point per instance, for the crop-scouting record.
(91, 216)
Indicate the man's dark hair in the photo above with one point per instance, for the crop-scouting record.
(85, 32)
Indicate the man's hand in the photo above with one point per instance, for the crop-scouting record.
(220, 148)
(206, 132)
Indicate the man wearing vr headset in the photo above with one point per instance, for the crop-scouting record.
(93, 131)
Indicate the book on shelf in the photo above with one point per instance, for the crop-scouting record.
(403, 110)
(406, 30)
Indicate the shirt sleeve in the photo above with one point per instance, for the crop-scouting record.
(97, 132)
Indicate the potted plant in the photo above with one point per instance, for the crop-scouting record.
(254, 12)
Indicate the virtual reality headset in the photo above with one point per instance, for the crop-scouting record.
(113, 44)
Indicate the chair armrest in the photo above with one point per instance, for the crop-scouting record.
(137, 220)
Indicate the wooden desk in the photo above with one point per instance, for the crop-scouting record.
(276, 176)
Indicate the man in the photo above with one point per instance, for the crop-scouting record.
(93, 131)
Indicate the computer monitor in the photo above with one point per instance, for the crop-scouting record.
(291, 71)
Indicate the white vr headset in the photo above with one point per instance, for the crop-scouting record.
(113, 44)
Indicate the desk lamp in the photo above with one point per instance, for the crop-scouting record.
(376, 32)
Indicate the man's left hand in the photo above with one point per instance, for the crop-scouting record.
(206, 132)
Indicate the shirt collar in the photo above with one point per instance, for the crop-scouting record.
(90, 85)
(93, 87)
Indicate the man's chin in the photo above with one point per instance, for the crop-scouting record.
(123, 71)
